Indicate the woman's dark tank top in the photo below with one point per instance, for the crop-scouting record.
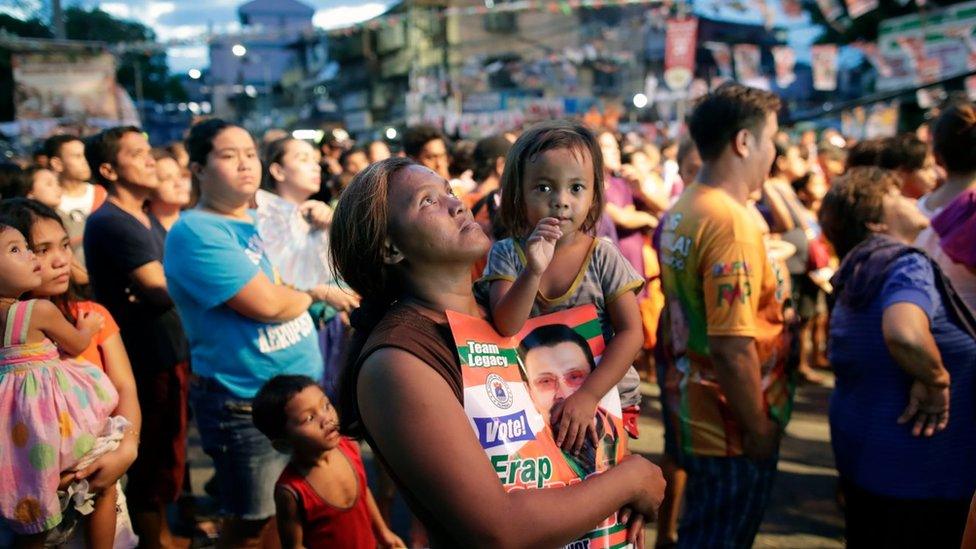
(407, 329)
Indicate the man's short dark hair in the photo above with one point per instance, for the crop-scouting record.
(462, 157)
(487, 151)
(344, 157)
(53, 144)
(268, 408)
(904, 152)
(551, 335)
(866, 153)
(14, 181)
(415, 137)
(721, 114)
(103, 148)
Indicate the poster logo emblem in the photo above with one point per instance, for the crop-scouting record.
(499, 393)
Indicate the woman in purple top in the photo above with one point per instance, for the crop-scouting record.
(632, 224)
(903, 347)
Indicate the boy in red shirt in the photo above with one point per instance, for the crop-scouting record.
(321, 497)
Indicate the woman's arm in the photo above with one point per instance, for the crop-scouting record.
(413, 417)
(908, 336)
(110, 467)
(649, 191)
(782, 220)
(263, 301)
(630, 217)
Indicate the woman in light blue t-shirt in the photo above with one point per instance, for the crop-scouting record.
(244, 327)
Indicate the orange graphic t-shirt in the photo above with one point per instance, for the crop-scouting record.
(718, 281)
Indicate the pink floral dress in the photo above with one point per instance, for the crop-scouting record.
(51, 413)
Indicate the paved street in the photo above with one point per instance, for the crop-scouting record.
(803, 512)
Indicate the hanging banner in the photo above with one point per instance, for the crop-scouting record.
(964, 33)
(679, 52)
(510, 386)
(873, 55)
(926, 68)
(722, 56)
(857, 8)
(852, 123)
(784, 59)
(882, 120)
(831, 9)
(824, 60)
(920, 49)
(69, 84)
(792, 8)
(747, 59)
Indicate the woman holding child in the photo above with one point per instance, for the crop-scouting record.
(403, 241)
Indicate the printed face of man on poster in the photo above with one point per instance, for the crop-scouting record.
(557, 361)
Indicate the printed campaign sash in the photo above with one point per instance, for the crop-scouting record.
(510, 426)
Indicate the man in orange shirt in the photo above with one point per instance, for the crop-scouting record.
(727, 392)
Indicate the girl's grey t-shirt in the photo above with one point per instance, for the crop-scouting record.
(604, 277)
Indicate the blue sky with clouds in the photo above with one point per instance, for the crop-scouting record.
(184, 19)
(188, 19)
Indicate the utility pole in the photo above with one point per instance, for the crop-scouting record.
(57, 20)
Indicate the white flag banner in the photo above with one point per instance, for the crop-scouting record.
(824, 61)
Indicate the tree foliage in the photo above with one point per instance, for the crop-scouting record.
(96, 25)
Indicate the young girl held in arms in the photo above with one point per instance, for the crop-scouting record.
(552, 199)
(52, 410)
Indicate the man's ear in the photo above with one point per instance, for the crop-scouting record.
(391, 254)
(740, 143)
(57, 166)
(876, 227)
(108, 172)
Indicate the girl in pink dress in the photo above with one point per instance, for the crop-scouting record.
(52, 411)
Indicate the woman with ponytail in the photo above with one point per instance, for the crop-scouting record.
(244, 326)
(952, 207)
(404, 242)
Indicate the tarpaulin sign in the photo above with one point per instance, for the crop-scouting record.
(679, 52)
(510, 386)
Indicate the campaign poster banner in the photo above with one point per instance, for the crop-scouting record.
(679, 52)
(824, 60)
(510, 387)
(925, 48)
(64, 85)
(784, 59)
(882, 120)
(852, 122)
(873, 54)
(722, 56)
(831, 9)
(747, 59)
(857, 8)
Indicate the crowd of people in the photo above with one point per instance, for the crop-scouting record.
(290, 298)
